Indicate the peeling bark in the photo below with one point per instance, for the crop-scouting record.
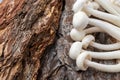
(27, 27)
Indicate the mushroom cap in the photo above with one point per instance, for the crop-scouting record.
(78, 5)
(80, 20)
(87, 40)
(77, 35)
(75, 50)
(80, 61)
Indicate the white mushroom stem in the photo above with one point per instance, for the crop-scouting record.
(111, 29)
(113, 46)
(115, 5)
(105, 16)
(104, 55)
(76, 49)
(92, 30)
(106, 4)
(83, 61)
(79, 35)
(78, 5)
(89, 9)
(92, 5)
(116, 2)
(78, 23)
(116, 8)
(103, 67)
(90, 40)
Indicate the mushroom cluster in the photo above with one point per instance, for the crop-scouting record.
(104, 16)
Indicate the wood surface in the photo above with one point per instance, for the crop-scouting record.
(27, 27)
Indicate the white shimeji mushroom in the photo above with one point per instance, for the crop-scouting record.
(79, 5)
(80, 20)
(117, 8)
(89, 10)
(91, 5)
(116, 2)
(116, 5)
(102, 15)
(83, 61)
(90, 40)
(76, 49)
(111, 29)
(104, 55)
(107, 5)
(79, 35)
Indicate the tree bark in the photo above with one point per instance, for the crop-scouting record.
(27, 27)
(56, 64)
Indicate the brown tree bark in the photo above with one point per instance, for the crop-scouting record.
(56, 64)
(27, 27)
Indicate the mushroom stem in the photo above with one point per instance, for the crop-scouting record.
(83, 61)
(78, 5)
(105, 16)
(104, 55)
(82, 23)
(117, 8)
(107, 6)
(112, 30)
(79, 35)
(113, 46)
(93, 30)
(116, 2)
(76, 49)
(89, 9)
(103, 67)
(91, 5)
(90, 40)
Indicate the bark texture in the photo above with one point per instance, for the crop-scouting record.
(56, 64)
(27, 27)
